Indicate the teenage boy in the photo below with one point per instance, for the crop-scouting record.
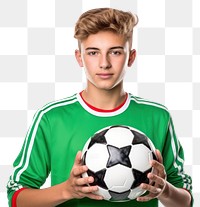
(60, 129)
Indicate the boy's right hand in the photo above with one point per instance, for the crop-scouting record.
(77, 186)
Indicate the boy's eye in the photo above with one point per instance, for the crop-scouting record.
(92, 53)
(115, 52)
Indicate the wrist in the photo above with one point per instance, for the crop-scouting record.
(165, 193)
(65, 191)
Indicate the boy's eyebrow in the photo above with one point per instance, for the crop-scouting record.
(117, 47)
(112, 48)
(92, 48)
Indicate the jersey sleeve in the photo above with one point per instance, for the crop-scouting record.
(32, 165)
(173, 158)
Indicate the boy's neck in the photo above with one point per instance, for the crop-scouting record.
(104, 99)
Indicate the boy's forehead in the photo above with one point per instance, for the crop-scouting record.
(103, 39)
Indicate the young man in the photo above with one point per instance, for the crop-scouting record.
(60, 129)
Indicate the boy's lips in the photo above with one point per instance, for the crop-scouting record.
(105, 75)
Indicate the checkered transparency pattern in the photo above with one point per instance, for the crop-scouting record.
(37, 65)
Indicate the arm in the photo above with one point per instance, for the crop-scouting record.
(74, 187)
(173, 196)
(168, 194)
(33, 165)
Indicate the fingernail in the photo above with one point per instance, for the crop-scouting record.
(150, 175)
(85, 168)
(158, 190)
(91, 179)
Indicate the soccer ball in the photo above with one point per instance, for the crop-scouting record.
(118, 157)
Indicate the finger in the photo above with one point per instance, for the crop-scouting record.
(159, 156)
(82, 195)
(150, 188)
(77, 171)
(86, 189)
(159, 168)
(90, 192)
(78, 158)
(94, 196)
(156, 179)
(84, 181)
(144, 198)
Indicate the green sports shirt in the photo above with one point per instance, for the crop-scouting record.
(61, 128)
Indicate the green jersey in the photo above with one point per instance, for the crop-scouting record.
(61, 128)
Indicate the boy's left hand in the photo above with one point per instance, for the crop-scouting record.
(157, 180)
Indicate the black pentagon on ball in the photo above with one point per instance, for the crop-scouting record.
(118, 156)
(140, 177)
(98, 138)
(140, 139)
(115, 196)
(98, 178)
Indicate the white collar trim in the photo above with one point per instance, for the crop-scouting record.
(104, 114)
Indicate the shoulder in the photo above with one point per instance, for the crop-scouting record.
(57, 107)
(58, 104)
(149, 107)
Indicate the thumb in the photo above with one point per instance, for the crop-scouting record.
(159, 156)
(77, 160)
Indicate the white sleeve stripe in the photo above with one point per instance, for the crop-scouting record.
(186, 179)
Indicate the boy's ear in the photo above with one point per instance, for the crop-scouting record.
(131, 57)
(78, 57)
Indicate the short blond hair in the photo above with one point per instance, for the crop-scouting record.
(105, 19)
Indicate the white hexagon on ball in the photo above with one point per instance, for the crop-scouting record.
(97, 157)
(119, 178)
(140, 157)
(103, 192)
(119, 137)
(136, 192)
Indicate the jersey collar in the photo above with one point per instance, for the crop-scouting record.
(100, 112)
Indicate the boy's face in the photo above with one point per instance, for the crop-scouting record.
(105, 57)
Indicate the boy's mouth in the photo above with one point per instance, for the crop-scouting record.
(105, 75)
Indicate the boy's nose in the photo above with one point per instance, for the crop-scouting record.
(104, 63)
